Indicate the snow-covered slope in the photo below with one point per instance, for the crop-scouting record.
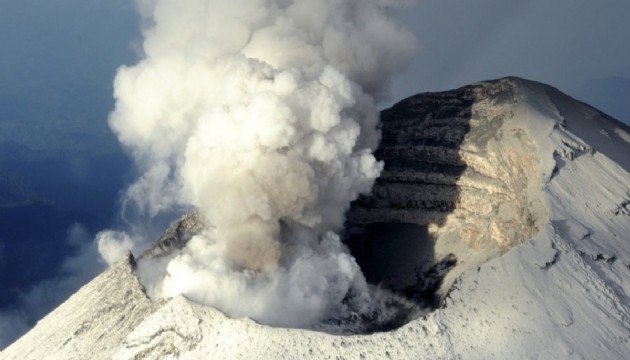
(563, 294)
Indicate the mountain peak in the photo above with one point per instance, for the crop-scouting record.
(503, 209)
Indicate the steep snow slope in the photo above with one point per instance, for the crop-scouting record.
(563, 294)
(93, 321)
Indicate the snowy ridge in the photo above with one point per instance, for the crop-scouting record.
(461, 173)
(565, 294)
(92, 321)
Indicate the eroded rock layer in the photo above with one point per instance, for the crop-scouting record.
(456, 161)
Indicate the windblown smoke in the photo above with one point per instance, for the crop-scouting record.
(262, 115)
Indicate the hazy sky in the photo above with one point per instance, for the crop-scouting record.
(580, 46)
(559, 41)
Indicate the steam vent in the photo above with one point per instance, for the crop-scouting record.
(460, 187)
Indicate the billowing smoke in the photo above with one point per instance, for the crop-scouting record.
(261, 115)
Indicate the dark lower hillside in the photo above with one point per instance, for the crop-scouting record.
(41, 197)
(33, 238)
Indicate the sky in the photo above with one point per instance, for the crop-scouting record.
(58, 51)
(58, 59)
(579, 46)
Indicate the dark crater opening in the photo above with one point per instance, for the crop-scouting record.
(388, 231)
(400, 257)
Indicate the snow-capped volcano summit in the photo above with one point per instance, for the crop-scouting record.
(506, 202)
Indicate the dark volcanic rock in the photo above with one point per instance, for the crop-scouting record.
(176, 236)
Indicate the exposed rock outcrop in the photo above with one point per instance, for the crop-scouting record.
(176, 236)
(460, 165)
(458, 161)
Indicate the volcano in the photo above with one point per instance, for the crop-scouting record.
(503, 212)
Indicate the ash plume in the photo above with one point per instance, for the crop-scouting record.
(261, 115)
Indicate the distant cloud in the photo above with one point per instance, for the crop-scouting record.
(44, 296)
(12, 325)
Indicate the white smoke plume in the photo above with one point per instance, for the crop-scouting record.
(113, 245)
(262, 116)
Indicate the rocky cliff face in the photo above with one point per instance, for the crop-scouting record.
(459, 165)
(176, 236)
(458, 161)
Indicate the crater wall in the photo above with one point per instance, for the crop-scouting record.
(460, 164)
